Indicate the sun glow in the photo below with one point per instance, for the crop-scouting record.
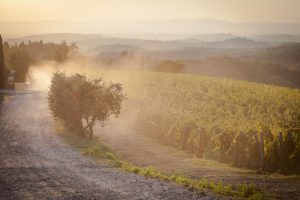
(232, 10)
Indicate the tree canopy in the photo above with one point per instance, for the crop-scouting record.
(81, 102)
(19, 57)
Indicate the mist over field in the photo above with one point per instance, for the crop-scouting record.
(146, 99)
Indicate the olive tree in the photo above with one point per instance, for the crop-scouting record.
(80, 102)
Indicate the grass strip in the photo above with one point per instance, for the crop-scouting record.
(94, 148)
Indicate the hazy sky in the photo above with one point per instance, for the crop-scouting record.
(232, 10)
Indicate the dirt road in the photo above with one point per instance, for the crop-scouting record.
(36, 164)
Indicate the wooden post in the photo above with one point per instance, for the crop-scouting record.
(257, 156)
(199, 151)
(280, 151)
(261, 151)
(240, 151)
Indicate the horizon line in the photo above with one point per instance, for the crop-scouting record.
(162, 20)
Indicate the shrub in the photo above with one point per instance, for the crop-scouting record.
(169, 66)
(256, 196)
(247, 190)
(111, 156)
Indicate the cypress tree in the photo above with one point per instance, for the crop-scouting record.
(2, 68)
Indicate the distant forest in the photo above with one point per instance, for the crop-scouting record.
(278, 65)
(275, 64)
(19, 57)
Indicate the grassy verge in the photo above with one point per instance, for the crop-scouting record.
(87, 147)
(96, 149)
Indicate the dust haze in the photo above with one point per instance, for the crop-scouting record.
(39, 79)
(205, 105)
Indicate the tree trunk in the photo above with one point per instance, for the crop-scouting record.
(81, 129)
(90, 127)
(91, 132)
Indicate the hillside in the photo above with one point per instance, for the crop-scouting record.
(234, 57)
(243, 69)
(143, 27)
(216, 118)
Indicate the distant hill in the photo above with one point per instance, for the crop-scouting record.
(236, 43)
(285, 54)
(211, 37)
(259, 61)
(84, 41)
(116, 48)
(140, 28)
(280, 38)
(58, 37)
(235, 68)
(93, 41)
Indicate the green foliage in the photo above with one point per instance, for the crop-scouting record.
(76, 99)
(111, 156)
(221, 189)
(95, 149)
(242, 190)
(247, 190)
(218, 118)
(20, 61)
(92, 151)
(135, 170)
(87, 147)
(20, 57)
(187, 182)
(203, 183)
(63, 51)
(256, 196)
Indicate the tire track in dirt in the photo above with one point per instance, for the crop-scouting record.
(36, 164)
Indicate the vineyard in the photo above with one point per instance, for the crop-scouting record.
(247, 124)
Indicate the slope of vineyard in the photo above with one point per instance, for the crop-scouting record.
(247, 124)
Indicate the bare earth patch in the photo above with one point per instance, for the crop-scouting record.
(143, 151)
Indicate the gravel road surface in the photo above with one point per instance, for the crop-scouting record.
(36, 164)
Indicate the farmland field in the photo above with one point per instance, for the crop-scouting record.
(239, 122)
